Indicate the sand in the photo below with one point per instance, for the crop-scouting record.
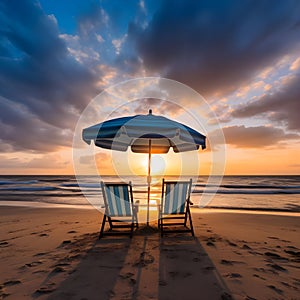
(54, 253)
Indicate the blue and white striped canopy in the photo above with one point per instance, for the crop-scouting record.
(136, 132)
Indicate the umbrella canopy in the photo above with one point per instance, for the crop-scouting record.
(150, 134)
(136, 131)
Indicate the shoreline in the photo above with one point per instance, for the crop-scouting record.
(250, 210)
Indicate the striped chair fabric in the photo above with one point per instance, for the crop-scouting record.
(118, 202)
(175, 196)
(119, 208)
(175, 206)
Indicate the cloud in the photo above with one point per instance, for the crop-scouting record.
(256, 137)
(295, 65)
(158, 106)
(21, 130)
(216, 46)
(48, 161)
(44, 86)
(282, 106)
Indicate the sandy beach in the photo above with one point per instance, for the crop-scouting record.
(54, 253)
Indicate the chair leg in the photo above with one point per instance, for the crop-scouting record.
(185, 219)
(110, 223)
(102, 226)
(136, 220)
(132, 226)
(159, 218)
(161, 227)
(191, 222)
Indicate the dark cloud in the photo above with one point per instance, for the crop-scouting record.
(21, 130)
(282, 106)
(45, 86)
(256, 137)
(215, 46)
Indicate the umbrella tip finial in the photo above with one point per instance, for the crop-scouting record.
(150, 111)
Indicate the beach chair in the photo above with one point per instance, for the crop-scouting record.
(175, 205)
(119, 208)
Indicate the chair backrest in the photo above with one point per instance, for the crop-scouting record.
(175, 196)
(118, 199)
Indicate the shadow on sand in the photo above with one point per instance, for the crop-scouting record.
(144, 267)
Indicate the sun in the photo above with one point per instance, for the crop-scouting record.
(158, 165)
(138, 164)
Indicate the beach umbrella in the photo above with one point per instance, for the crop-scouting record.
(149, 133)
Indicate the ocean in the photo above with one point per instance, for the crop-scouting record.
(268, 193)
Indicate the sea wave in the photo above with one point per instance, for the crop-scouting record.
(83, 185)
(249, 186)
(8, 182)
(31, 188)
(247, 192)
(258, 192)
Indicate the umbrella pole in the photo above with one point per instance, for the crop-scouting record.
(149, 180)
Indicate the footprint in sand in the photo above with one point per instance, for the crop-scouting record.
(31, 265)
(64, 243)
(275, 256)
(43, 290)
(128, 276)
(210, 244)
(11, 282)
(162, 283)
(296, 281)
(230, 262)
(233, 275)
(231, 243)
(277, 267)
(3, 294)
(246, 247)
(4, 244)
(289, 285)
(292, 247)
(56, 271)
(262, 270)
(144, 260)
(274, 288)
(40, 271)
(258, 276)
(43, 234)
(40, 254)
(226, 262)
(293, 253)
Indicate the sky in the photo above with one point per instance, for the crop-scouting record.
(241, 56)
